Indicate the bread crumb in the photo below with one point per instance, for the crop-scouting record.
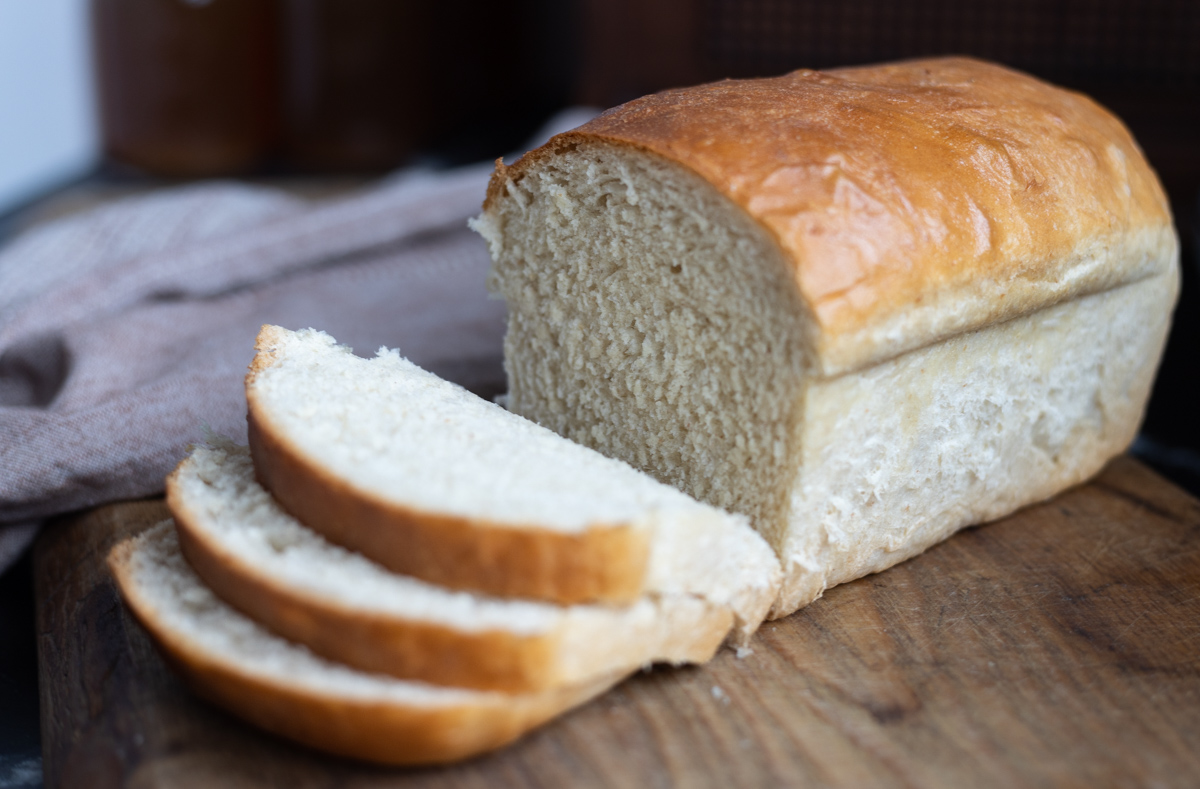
(744, 652)
(719, 694)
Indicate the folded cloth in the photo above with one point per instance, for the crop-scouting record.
(125, 331)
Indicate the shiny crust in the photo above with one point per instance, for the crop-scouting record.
(603, 564)
(914, 200)
(384, 732)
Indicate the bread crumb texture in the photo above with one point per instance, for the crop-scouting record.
(194, 615)
(227, 506)
(406, 435)
(636, 294)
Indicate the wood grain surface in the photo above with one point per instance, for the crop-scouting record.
(1058, 647)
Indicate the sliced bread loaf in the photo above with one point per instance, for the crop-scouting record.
(287, 577)
(865, 308)
(285, 689)
(431, 481)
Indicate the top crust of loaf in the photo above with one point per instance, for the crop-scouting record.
(914, 200)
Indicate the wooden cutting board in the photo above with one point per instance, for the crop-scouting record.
(1058, 647)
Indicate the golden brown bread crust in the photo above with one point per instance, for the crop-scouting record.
(377, 731)
(602, 564)
(914, 200)
(405, 648)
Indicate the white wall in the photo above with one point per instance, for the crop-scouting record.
(48, 129)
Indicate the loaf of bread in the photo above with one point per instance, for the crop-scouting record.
(344, 655)
(267, 565)
(865, 307)
(284, 688)
(428, 480)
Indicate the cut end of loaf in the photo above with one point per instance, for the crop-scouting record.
(651, 320)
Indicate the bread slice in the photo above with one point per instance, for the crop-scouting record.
(285, 689)
(262, 561)
(864, 308)
(430, 481)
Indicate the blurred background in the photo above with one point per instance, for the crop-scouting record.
(104, 98)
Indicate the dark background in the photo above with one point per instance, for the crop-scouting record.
(360, 86)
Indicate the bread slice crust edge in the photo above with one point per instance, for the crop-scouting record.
(411, 647)
(381, 731)
(604, 563)
(497, 660)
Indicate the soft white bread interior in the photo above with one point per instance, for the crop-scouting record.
(347, 608)
(865, 308)
(431, 481)
(285, 689)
